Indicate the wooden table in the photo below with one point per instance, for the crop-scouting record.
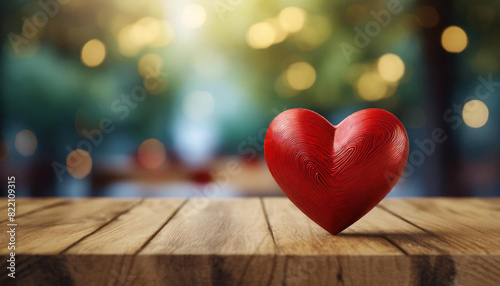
(251, 241)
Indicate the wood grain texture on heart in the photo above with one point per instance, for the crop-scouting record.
(336, 174)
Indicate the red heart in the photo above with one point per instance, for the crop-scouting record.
(336, 174)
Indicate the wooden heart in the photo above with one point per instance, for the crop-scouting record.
(336, 174)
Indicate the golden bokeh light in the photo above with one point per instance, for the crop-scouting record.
(193, 16)
(390, 67)
(79, 163)
(292, 19)
(280, 33)
(371, 86)
(427, 16)
(454, 39)
(165, 37)
(316, 31)
(300, 75)
(151, 154)
(93, 53)
(261, 35)
(128, 44)
(147, 31)
(26, 142)
(150, 65)
(475, 113)
(4, 150)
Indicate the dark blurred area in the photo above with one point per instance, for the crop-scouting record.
(173, 98)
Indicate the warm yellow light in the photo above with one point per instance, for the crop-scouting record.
(146, 31)
(314, 33)
(300, 75)
(454, 39)
(261, 35)
(292, 19)
(371, 87)
(193, 16)
(4, 150)
(79, 163)
(165, 37)
(280, 33)
(26, 142)
(93, 53)
(151, 154)
(475, 113)
(150, 65)
(129, 46)
(390, 67)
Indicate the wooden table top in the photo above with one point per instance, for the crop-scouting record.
(250, 241)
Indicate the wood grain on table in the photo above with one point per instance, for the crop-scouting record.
(251, 241)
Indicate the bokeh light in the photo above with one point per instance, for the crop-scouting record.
(93, 53)
(261, 35)
(280, 33)
(371, 86)
(4, 150)
(26, 142)
(198, 105)
(193, 16)
(427, 16)
(390, 67)
(475, 113)
(150, 65)
(192, 73)
(147, 31)
(300, 75)
(316, 31)
(79, 163)
(292, 19)
(454, 39)
(152, 154)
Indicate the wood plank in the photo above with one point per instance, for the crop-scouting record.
(466, 230)
(29, 205)
(130, 231)
(209, 242)
(254, 242)
(52, 230)
(296, 234)
(222, 226)
(315, 257)
(26, 206)
(471, 236)
(109, 253)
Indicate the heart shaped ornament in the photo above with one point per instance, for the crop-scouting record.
(335, 174)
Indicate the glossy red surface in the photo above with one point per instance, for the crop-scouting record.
(336, 174)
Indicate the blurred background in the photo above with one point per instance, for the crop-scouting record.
(173, 98)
